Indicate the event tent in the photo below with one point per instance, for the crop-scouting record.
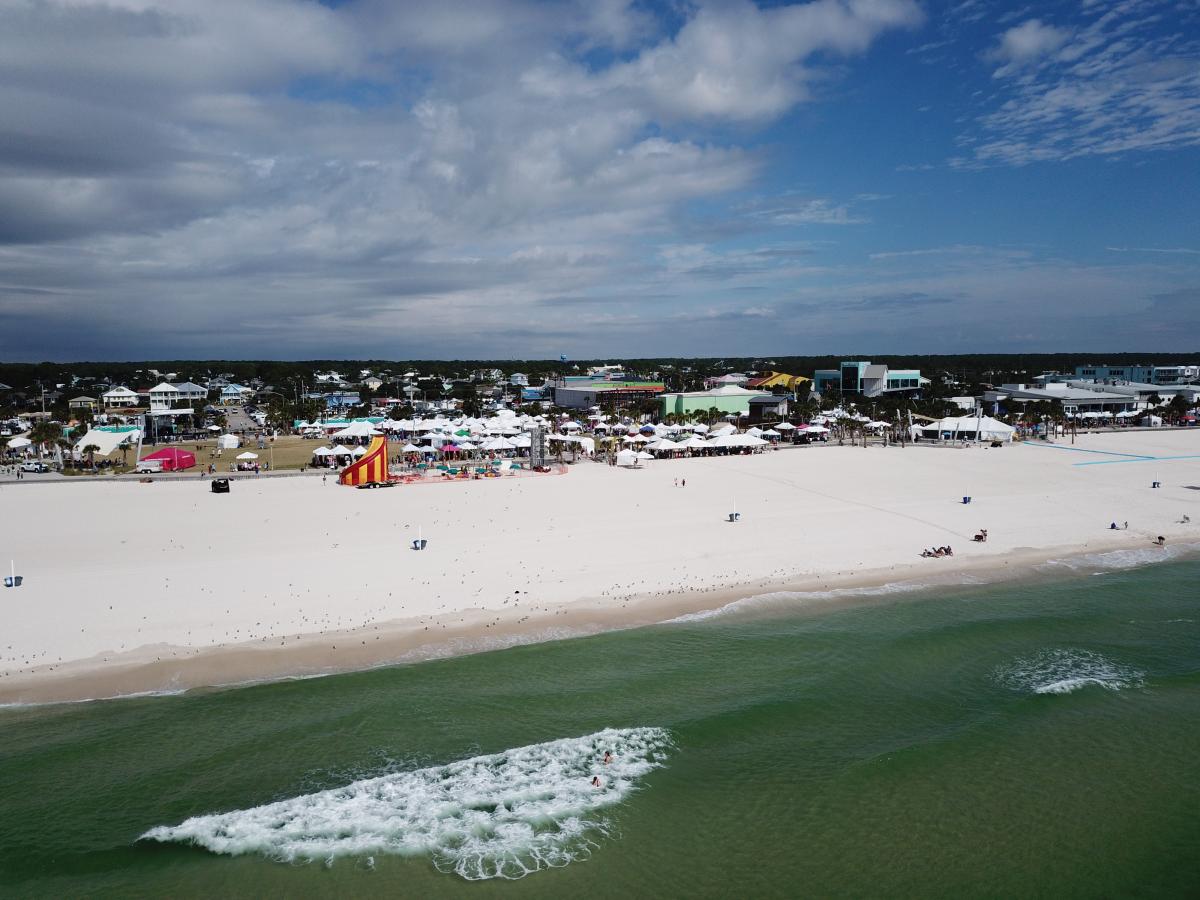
(173, 458)
(964, 428)
(107, 441)
(228, 442)
(356, 430)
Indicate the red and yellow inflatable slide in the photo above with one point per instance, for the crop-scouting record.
(371, 467)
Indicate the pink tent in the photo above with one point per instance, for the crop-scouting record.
(449, 448)
(173, 459)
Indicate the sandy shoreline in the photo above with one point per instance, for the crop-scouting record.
(134, 588)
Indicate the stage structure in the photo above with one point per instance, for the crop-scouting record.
(372, 468)
(537, 448)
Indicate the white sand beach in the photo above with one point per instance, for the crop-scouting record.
(134, 587)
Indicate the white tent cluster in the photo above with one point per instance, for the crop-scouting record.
(968, 428)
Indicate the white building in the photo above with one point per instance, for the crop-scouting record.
(191, 393)
(1097, 398)
(518, 379)
(163, 397)
(119, 398)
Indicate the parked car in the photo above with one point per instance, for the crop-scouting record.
(39, 467)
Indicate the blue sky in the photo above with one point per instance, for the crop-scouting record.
(268, 178)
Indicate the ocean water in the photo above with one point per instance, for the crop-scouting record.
(1035, 738)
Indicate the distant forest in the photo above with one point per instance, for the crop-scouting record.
(966, 369)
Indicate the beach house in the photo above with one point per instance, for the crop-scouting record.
(119, 398)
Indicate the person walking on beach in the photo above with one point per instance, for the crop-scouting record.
(683, 482)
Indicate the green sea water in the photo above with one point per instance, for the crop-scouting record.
(1026, 739)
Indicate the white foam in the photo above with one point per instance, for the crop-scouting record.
(789, 599)
(1065, 670)
(1118, 560)
(503, 815)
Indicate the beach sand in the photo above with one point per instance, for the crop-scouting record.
(132, 588)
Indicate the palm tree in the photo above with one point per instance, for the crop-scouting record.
(90, 450)
(44, 433)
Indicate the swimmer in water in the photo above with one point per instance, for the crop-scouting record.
(595, 781)
(607, 757)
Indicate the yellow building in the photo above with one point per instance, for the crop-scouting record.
(771, 380)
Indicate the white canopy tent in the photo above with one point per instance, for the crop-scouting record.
(626, 458)
(107, 441)
(964, 428)
(357, 430)
(247, 455)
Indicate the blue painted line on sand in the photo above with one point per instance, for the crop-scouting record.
(1082, 450)
(1109, 462)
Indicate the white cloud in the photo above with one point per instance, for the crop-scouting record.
(1029, 41)
(1121, 83)
(736, 61)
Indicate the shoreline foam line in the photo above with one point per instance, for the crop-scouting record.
(502, 815)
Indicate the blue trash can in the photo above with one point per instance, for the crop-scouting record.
(966, 500)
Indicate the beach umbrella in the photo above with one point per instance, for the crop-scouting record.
(247, 455)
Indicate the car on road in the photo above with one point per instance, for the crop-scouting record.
(39, 467)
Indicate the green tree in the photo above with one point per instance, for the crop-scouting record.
(45, 433)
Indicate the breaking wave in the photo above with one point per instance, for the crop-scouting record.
(1118, 560)
(504, 815)
(790, 599)
(1063, 671)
